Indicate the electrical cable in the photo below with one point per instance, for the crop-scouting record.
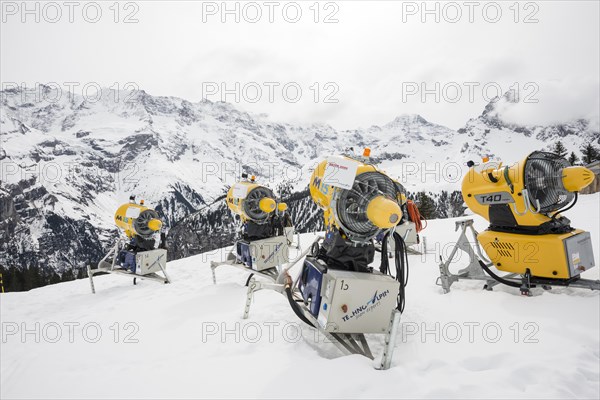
(496, 277)
(566, 208)
(296, 307)
(401, 269)
(401, 264)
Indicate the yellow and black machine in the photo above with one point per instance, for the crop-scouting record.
(141, 251)
(337, 291)
(528, 237)
(266, 231)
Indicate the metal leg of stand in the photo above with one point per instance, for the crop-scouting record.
(473, 270)
(586, 284)
(214, 275)
(365, 345)
(252, 285)
(91, 276)
(350, 339)
(164, 271)
(282, 275)
(390, 341)
(339, 340)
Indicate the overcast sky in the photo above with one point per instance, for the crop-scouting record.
(374, 61)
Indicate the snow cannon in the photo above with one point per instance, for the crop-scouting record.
(252, 202)
(359, 202)
(528, 237)
(265, 229)
(356, 198)
(142, 253)
(137, 220)
(339, 288)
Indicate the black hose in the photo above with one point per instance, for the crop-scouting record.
(405, 266)
(496, 277)
(296, 307)
(401, 262)
(385, 263)
(401, 269)
(566, 208)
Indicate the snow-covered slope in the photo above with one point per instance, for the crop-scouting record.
(67, 164)
(172, 339)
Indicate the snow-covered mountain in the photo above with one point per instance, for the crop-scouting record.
(490, 134)
(67, 164)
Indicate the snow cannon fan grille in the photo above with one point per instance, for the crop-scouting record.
(141, 223)
(543, 181)
(351, 206)
(252, 204)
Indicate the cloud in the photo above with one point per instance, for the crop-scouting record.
(553, 102)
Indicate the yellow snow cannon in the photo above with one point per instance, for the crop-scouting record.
(341, 293)
(356, 197)
(252, 202)
(528, 236)
(266, 230)
(142, 255)
(137, 219)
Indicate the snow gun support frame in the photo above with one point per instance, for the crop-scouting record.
(158, 259)
(479, 268)
(269, 273)
(355, 343)
(409, 234)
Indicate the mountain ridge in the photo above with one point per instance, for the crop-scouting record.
(72, 162)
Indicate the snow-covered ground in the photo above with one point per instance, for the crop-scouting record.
(187, 339)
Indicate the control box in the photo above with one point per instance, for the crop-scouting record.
(357, 302)
(263, 254)
(147, 262)
(579, 253)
